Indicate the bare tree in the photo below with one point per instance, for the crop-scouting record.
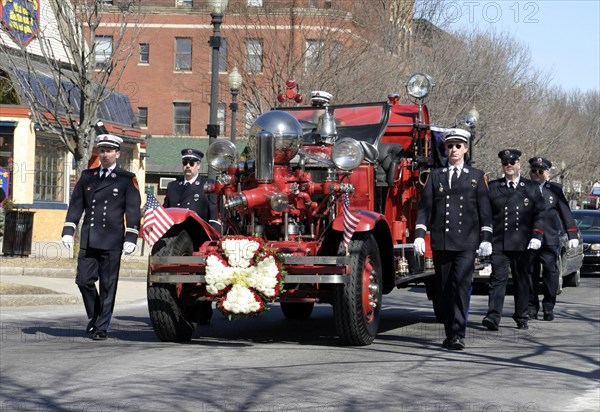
(61, 76)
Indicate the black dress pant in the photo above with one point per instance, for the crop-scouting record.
(517, 262)
(454, 271)
(102, 265)
(545, 261)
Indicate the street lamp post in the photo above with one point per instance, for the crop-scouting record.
(235, 82)
(217, 9)
(471, 121)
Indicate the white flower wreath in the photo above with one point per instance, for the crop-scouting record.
(244, 278)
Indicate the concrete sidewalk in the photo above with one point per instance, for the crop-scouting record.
(47, 277)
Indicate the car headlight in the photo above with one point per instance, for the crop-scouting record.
(595, 247)
(419, 85)
(221, 155)
(347, 154)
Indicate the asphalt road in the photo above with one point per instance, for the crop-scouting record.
(273, 364)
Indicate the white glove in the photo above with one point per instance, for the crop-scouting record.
(573, 243)
(68, 241)
(129, 248)
(420, 246)
(534, 244)
(485, 249)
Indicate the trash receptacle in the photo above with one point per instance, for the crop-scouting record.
(18, 231)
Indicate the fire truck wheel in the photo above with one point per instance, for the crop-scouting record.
(357, 304)
(299, 310)
(166, 312)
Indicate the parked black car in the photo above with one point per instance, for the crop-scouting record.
(570, 260)
(588, 222)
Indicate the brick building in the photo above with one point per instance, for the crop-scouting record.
(168, 80)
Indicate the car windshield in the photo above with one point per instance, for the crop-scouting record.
(364, 122)
(596, 191)
(587, 221)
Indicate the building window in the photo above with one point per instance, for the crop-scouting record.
(314, 54)
(255, 3)
(49, 170)
(254, 55)
(336, 50)
(221, 119)
(103, 51)
(144, 57)
(142, 116)
(314, 3)
(183, 54)
(184, 3)
(182, 118)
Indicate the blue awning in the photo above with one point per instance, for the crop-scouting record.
(115, 108)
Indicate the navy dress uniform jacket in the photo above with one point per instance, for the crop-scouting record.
(460, 216)
(104, 203)
(518, 214)
(192, 197)
(557, 214)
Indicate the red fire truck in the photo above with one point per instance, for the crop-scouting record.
(307, 164)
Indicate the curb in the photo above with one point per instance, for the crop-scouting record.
(64, 272)
(38, 300)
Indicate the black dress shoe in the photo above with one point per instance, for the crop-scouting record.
(447, 342)
(522, 324)
(457, 343)
(91, 327)
(99, 335)
(532, 315)
(549, 316)
(490, 324)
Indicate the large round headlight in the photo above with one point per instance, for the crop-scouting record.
(221, 155)
(419, 85)
(347, 154)
(286, 131)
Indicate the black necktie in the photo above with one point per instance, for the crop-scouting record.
(103, 175)
(186, 184)
(511, 185)
(454, 177)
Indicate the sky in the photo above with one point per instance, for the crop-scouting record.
(563, 36)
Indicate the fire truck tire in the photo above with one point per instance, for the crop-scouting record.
(357, 304)
(301, 310)
(166, 314)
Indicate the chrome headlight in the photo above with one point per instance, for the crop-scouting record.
(221, 155)
(419, 85)
(286, 131)
(347, 154)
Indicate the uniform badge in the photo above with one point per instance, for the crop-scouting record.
(115, 192)
(465, 170)
(521, 184)
(526, 202)
(196, 183)
(113, 175)
(474, 183)
(441, 188)
(196, 197)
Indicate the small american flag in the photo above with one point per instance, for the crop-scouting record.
(350, 221)
(156, 220)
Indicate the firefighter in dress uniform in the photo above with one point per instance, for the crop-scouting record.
(188, 193)
(110, 198)
(517, 209)
(556, 217)
(455, 202)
